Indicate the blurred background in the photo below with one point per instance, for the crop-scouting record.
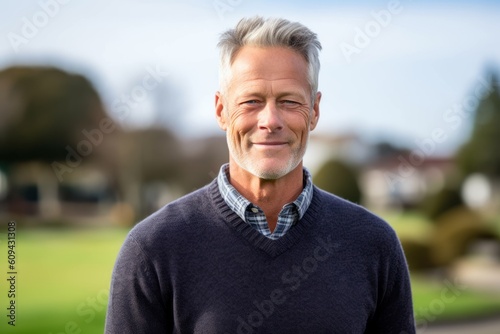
(107, 114)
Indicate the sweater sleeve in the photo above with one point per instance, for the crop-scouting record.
(135, 299)
(394, 312)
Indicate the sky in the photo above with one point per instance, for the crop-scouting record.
(400, 70)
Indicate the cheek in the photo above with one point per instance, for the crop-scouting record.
(300, 122)
(240, 123)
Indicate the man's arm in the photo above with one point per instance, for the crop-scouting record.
(135, 300)
(394, 312)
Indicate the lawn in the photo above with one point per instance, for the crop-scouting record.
(63, 284)
(446, 301)
(63, 280)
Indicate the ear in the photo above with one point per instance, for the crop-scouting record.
(220, 112)
(315, 112)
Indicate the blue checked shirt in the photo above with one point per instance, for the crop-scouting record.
(253, 215)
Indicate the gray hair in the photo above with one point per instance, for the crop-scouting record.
(269, 32)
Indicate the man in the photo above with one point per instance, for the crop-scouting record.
(261, 249)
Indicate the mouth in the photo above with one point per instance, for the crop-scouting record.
(270, 143)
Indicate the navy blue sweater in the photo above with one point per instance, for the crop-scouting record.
(195, 267)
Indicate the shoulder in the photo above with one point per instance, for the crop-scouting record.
(354, 221)
(181, 218)
(332, 205)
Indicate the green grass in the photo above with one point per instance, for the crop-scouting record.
(63, 280)
(440, 300)
(410, 225)
(63, 284)
(446, 301)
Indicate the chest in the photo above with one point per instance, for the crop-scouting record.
(315, 292)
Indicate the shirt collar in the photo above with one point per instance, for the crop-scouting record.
(239, 204)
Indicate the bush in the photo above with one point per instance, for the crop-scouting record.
(340, 179)
(441, 202)
(455, 231)
(418, 254)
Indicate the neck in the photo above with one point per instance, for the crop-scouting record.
(269, 195)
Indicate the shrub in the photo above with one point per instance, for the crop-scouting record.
(340, 179)
(418, 254)
(455, 231)
(441, 202)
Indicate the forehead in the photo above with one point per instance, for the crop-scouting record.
(271, 64)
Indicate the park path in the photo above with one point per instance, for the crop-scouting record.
(487, 326)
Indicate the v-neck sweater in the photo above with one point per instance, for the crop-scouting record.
(195, 266)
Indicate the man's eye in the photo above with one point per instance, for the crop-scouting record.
(251, 102)
(290, 103)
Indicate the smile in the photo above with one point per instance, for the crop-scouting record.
(270, 144)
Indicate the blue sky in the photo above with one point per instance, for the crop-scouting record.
(411, 73)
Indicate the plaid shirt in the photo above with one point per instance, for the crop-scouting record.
(253, 215)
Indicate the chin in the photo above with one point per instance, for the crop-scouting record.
(271, 172)
(266, 168)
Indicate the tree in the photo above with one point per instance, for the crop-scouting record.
(203, 158)
(42, 111)
(481, 154)
(154, 153)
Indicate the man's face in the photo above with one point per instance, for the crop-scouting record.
(267, 110)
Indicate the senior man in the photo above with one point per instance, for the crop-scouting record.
(261, 249)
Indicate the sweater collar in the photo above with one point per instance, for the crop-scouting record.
(240, 204)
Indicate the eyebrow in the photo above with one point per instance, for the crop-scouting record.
(255, 93)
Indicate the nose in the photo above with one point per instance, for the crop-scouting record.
(270, 118)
